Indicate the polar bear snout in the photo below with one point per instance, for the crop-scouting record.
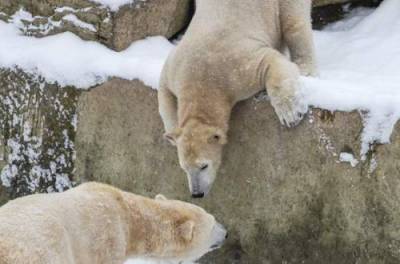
(200, 178)
(219, 236)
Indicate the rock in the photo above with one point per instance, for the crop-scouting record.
(152, 18)
(37, 130)
(282, 193)
(3, 196)
(90, 21)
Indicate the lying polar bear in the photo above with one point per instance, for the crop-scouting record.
(231, 51)
(98, 224)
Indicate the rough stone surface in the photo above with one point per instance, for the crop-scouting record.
(282, 193)
(117, 30)
(37, 130)
(153, 17)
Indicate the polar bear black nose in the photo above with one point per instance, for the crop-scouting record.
(198, 195)
(203, 167)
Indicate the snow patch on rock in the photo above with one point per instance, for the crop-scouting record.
(114, 5)
(79, 23)
(348, 157)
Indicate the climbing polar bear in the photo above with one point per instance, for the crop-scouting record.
(99, 224)
(232, 50)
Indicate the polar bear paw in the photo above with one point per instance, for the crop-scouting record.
(289, 104)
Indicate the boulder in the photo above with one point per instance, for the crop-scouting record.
(116, 29)
(283, 193)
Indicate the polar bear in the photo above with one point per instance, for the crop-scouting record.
(232, 50)
(96, 223)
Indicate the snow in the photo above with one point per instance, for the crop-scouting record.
(359, 62)
(79, 23)
(114, 5)
(70, 9)
(70, 61)
(348, 157)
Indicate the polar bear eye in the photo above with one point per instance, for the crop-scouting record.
(216, 138)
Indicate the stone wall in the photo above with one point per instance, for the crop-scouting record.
(282, 193)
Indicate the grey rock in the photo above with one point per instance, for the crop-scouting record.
(116, 30)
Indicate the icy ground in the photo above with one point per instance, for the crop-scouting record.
(359, 62)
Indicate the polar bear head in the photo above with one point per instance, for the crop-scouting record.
(200, 149)
(189, 230)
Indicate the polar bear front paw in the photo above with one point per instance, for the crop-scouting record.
(289, 105)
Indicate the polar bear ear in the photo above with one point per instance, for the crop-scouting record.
(218, 137)
(172, 137)
(160, 197)
(186, 230)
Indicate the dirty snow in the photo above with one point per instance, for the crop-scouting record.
(114, 5)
